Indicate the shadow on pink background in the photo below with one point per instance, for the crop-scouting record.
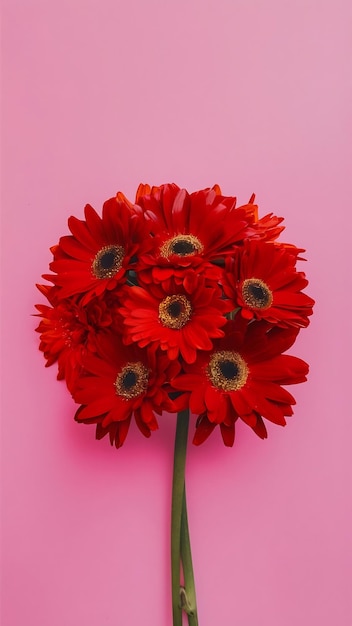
(97, 97)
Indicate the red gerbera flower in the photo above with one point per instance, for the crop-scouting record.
(189, 230)
(241, 378)
(263, 281)
(265, 228)
(68, 330)
(176, 319)
(120, 382)
(97, 255)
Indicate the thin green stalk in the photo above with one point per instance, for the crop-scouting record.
(186, 556)
(178, 484)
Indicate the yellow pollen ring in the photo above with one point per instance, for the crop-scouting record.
(108, 261)
(181, 245)
(175, 311)
(227, 370)
(132, 380)
(256, 293)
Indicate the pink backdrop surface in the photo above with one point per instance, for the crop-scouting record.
(99, 96)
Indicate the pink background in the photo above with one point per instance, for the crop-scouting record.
(98, 96)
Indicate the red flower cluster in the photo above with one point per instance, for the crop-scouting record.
(178, 300)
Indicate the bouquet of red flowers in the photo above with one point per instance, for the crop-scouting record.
(179, 302)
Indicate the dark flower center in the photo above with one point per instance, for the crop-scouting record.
(132, 380)
(129, 380)
(108, 261)
(181, 245)
(175, 311)
(227, 370)
(256, 294)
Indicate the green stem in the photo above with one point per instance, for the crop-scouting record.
(178, 484)
(186, 556)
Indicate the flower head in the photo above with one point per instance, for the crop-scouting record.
(242, 377)
(100, 250)
(189, 230)
(263, 281)
(266, 228)
(120, 382)
(180, 321)
(68, 330)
